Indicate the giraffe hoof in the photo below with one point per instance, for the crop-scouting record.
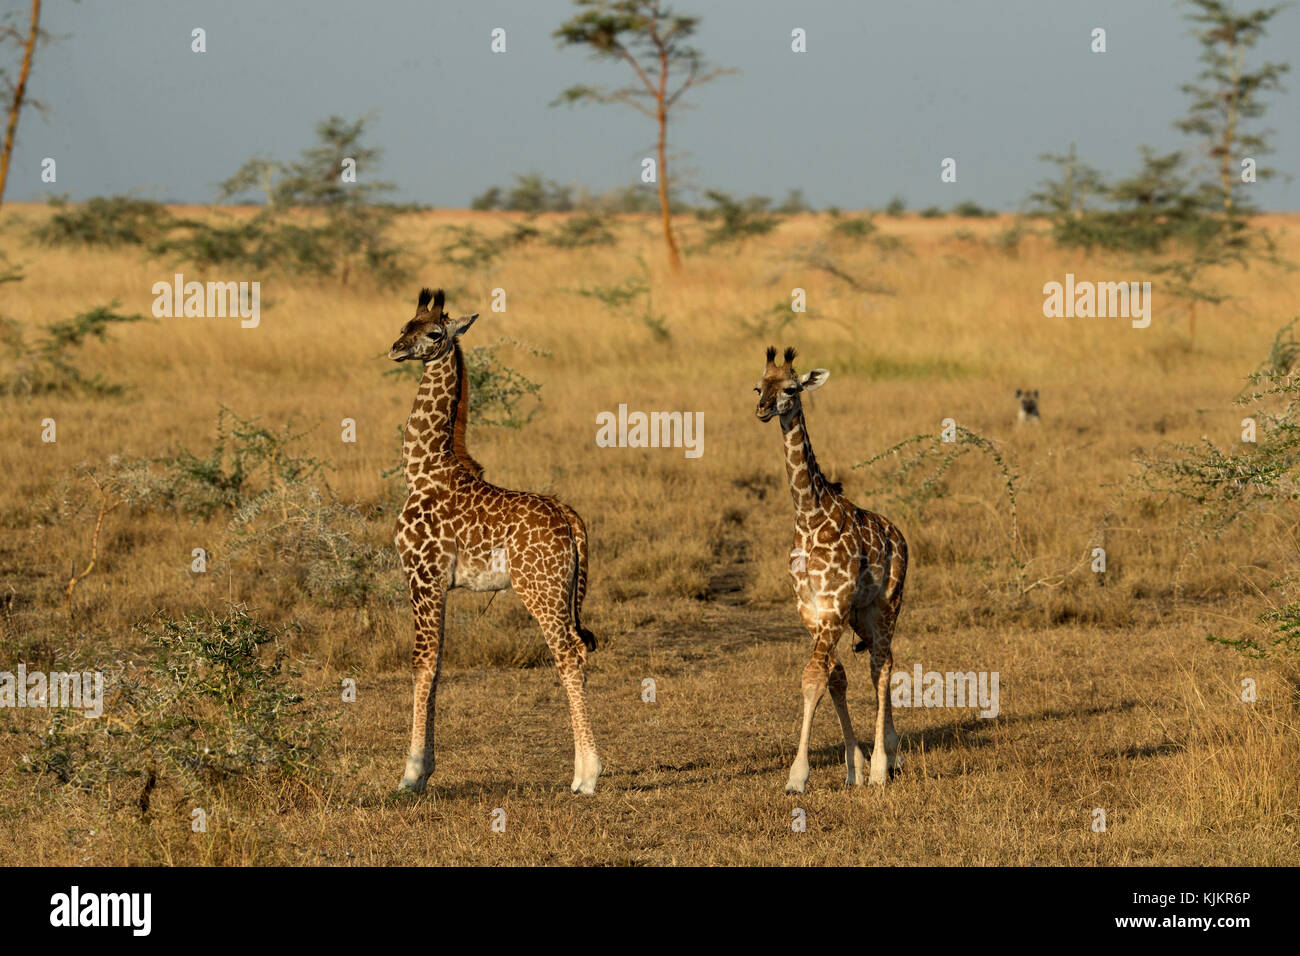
(412, 784)
(585, 773)
(794, 786)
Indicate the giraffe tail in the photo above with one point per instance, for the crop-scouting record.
(578, 583)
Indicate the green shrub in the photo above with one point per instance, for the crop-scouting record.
(49, 366)
(579, 232)
(497, 392)
(621, 298)
(917, 471)
(247, 460)
(793, 204)
(967, 209)
(1227, 487)
(105, 221)
(736, 219)
(470, 249)
(298, 533)
(860, 227)
(213, 704)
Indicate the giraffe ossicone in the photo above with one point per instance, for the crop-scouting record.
(847, 568)
(458, 531)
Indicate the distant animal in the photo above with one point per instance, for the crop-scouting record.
(1028, 406)
(458, 531)
(847, 567)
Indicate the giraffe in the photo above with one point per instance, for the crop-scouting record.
(458, 531)
(847, 567)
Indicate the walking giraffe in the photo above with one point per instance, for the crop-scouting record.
(457, 530)
(847, 566)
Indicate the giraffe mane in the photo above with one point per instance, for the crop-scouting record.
(461, 424)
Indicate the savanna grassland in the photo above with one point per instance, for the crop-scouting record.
(1111, 696)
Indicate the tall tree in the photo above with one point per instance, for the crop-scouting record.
(1227, 94)
(15, 90)
(654, 41)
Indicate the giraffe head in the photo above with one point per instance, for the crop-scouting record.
(431, 334)
(780, 387)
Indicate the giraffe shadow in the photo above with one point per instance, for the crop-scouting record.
(972, 732)
(1134, 752)
(967, 733)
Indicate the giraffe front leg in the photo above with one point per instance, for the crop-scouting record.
(853, 760)
(428, 603)
(815, 678)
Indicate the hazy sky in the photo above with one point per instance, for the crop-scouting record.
(885, 91)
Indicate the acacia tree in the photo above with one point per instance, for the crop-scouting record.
(15, 90)
(1225, 98)
(345, 231)
(654, 42)
(1068, 197)
(1227, 95)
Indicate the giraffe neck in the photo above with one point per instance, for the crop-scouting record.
(434, 443)
(807, 484)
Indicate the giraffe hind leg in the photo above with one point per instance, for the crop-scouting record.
(548, 600)
(854, 762)
(885, 758)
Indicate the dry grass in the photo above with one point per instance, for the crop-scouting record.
(1110, 696)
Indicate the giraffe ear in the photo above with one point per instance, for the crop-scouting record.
(458, 327)
(811, 381)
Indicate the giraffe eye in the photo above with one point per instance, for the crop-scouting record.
(791, 389)
(757, 389)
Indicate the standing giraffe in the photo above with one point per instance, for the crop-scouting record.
(847, 567)
(457, 530)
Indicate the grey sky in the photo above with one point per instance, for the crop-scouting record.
(885, 91)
